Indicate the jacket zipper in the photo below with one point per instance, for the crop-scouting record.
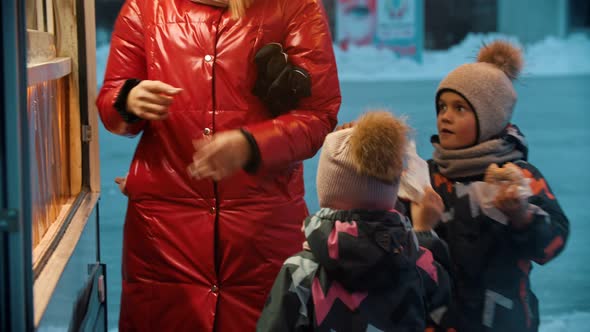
(216, 240)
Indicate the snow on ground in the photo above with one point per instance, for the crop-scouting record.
(551, 56)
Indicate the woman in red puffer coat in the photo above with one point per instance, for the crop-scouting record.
(215, 186)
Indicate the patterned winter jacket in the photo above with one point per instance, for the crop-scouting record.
(365, 271)
(491, 261)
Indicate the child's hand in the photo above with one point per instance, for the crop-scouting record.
(122, 182)
(428, 212)
(510, 174)
(514, 206)
(305, 244)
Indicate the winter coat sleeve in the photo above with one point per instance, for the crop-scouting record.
(434, 264)
(126, 61)
(545, 237)
(437, 247)
(287, 307)
(298, 134)
(437, 286)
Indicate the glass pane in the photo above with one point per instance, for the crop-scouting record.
(31, 10)
(579, 14)
(47, 106)
(58, 315)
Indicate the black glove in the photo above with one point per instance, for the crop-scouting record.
(279, 84)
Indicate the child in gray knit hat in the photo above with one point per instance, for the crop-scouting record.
(496, 211)
(364, 269)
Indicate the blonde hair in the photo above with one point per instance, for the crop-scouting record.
(238, 7)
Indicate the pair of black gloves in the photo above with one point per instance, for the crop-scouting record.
(280, 85)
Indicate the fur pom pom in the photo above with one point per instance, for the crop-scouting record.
(377, 145)
(503, 55)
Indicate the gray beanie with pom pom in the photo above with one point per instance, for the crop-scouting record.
(487, 86)
(360, 167)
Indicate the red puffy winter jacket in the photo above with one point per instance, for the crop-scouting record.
(200, 255)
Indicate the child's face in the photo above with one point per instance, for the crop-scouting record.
(456, 122)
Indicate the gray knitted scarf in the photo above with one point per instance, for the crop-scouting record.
(474, 160)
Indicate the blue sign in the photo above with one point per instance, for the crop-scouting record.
(400, 27)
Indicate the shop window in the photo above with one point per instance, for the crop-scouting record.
(579, 15)
(53, 185)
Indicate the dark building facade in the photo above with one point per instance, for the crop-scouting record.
(447, 22)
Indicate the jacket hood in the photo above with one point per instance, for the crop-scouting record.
(513, 134)
(362, 249)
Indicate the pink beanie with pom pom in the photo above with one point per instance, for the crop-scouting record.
(360, 167)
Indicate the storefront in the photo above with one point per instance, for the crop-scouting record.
(51, 276)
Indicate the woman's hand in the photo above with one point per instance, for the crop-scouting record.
(305, 244)
(122, 182)
(149, 100)
(220, 156)
(428, 212)
(345, 125)
(514, 206)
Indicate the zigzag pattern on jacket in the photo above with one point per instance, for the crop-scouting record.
(323, 303)
(364, 271)
(483, 243)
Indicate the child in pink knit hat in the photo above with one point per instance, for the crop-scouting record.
(495, 210)
(364, 269)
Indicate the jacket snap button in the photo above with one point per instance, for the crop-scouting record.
(212, 210)
(208, 58)
(207, 131)
(214, 289)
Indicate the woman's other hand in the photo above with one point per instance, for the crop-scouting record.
(514, 206)
(345, 126)
(150, 100)
(221, 156)
(305, 244)
(428, 212)
(121, 181)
